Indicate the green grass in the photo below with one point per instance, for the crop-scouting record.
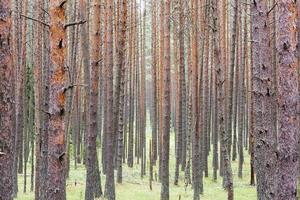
(135, 188)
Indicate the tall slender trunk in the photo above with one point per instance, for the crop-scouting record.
(264, 140)
(110, 184)
(221, 99)
(38, 50)
(56, 184)
(6, 102)
(287, 100)
(165, 148)
(143, 96)
(178, 103)
(232, 64)
(241, 96)
(121, 65)
(195, 105)
(45, 92)
(154, 81)
(182, 85)
(91, 153)
(160, 81)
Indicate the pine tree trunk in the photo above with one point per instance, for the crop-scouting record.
(264, 142)
(288, 97)
(45, 92)
(110, 184)
(154, 81)
(6, 102)
(231, 85)
(221, 99)
(91, 153)
(178, 103)
(182, 85)
(165, 148)
(121, 65)
(195, 105)
(56, 184)
(38, 95)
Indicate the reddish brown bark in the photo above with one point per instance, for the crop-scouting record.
(6, 102)
(56, 186)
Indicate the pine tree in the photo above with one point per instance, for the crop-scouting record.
(56, 184)
(6, 102)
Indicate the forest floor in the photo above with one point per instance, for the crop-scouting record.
(136, 188)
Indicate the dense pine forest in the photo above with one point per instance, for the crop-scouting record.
(149, 99)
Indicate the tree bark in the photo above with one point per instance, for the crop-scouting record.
(154, 81)
(91, 153)
(56, 184)
(121, 65)
(265, 157)
(6, 102)
(110, 184)
(224, 137)
(195, 105)
(165, 148)
(288, 97)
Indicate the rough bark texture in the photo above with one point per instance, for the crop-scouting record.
(264, 141)
(91, 153)
(44, 106)
(56, 186)
(121, 65)
(6, 102)
(287, 100)
(166, 107)
(110, 184)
